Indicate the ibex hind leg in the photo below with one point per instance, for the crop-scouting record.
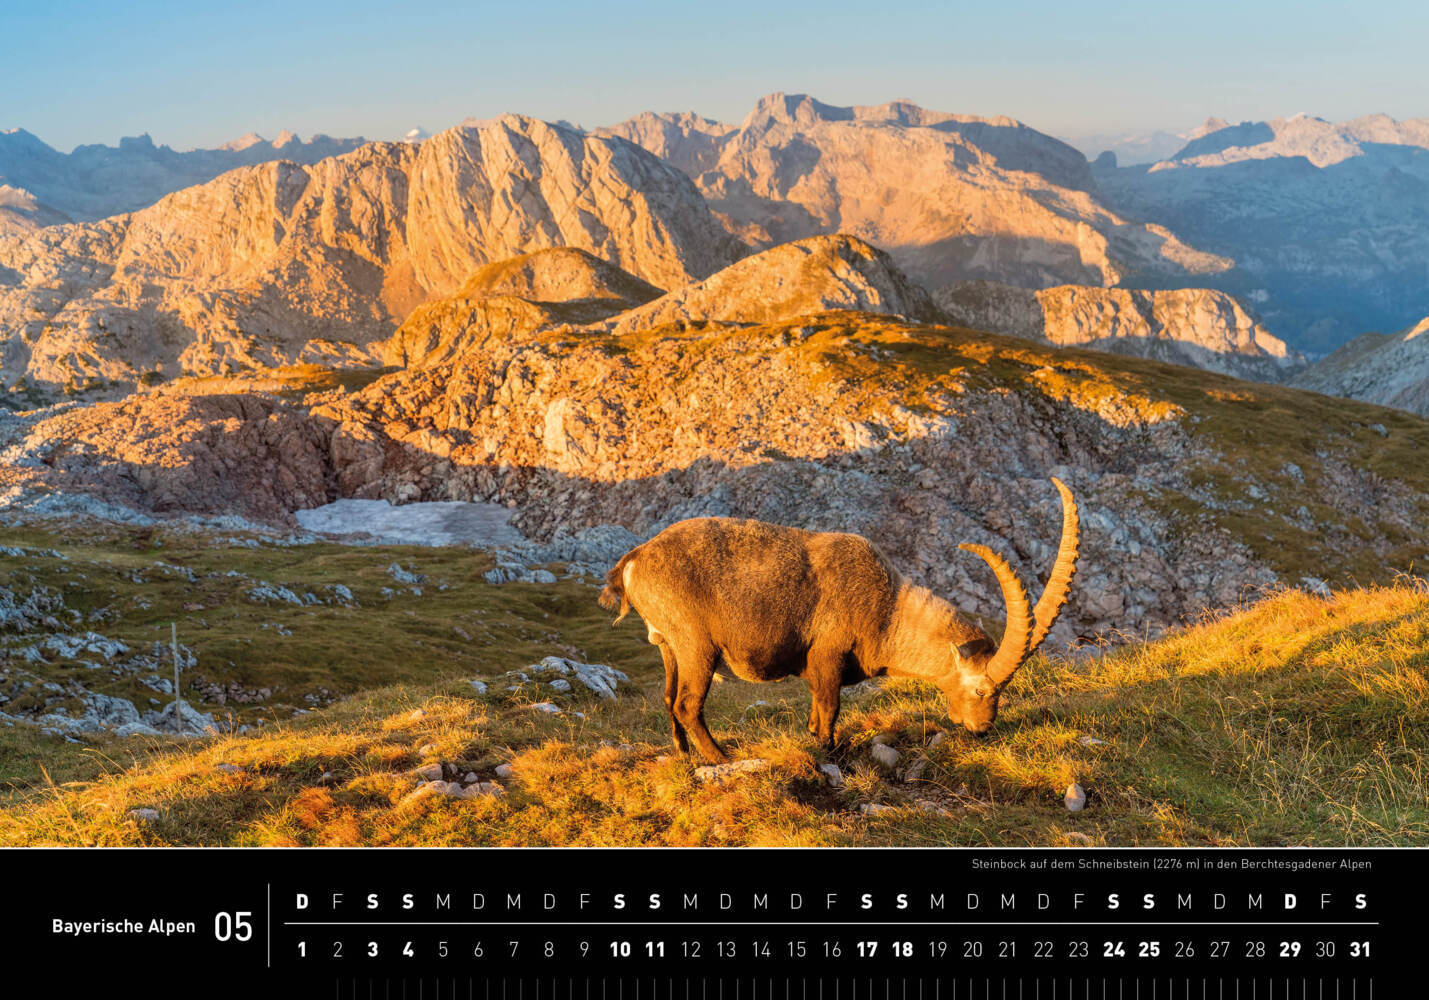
(695, 669)
(672, 675)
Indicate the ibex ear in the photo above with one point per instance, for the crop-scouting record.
(973, 648)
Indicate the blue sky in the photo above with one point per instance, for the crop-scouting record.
(90, 72)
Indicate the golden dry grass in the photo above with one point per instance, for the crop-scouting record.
(1297, 720)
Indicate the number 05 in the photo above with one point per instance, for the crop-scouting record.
(233, 926)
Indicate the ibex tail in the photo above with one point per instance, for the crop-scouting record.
(613, 595)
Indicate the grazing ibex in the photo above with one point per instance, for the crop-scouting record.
(776, 602)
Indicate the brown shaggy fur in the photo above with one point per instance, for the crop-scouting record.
(772, 602)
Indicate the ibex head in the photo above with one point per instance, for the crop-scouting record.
(979, 670)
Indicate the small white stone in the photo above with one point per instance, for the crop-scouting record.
(428, 772)
(479, 687)
(420, 713)
(547, 706)
(1076, 798)
(939, 738)
(426, 749)
(560, 684)
(885, 755)
(469, 777)
(833, 774)
(1090, 741)
(874, 808)
(144, 815)
(228, 768)
(504, 770)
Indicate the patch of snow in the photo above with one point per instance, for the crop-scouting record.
(432, 523)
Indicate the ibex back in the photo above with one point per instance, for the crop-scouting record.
(775, 602)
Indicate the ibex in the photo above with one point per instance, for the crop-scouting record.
(775, 602)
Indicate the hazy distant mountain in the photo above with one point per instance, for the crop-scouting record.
(950, 197)
(266, 264)
(97, 181)
(1392, 369)
(1131, 148)
(1328, 223)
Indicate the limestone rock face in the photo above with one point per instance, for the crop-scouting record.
(515, 297)
(812, 275)
(22, 212)
(1392, 369)
(950, 197)
(1328, 222)
(1199, 327)
(245, 454)
(915, 436)
(251, 267)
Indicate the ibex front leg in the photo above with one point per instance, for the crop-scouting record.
(823, 672)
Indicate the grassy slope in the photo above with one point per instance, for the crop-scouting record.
(1295, 721)
(1251, 436)
(1252, 433)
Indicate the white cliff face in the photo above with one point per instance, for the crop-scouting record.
(1390, 369)
(1328, 222)
(97, 181)
(251, 267)
(808, 276)
(1190, 326)
(949, 197)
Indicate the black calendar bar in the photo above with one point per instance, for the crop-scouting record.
(801, 924)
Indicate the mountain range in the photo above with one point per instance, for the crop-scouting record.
(267, 264)
(1328, 223)
(949, 197)
(1250, 245)
(1130, 148)
(96, 181)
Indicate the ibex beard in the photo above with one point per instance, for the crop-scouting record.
(773, 602)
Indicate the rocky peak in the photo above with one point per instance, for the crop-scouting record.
(793, 109)
(511, 299)
(813, 275)
(1211, 124)
(561, 274)
(251, 267)
(242, 142)
(1197, 327)
(1027, 212)
(522, 184)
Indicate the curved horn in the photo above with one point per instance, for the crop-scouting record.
(1059, 583)
(1016, 638)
